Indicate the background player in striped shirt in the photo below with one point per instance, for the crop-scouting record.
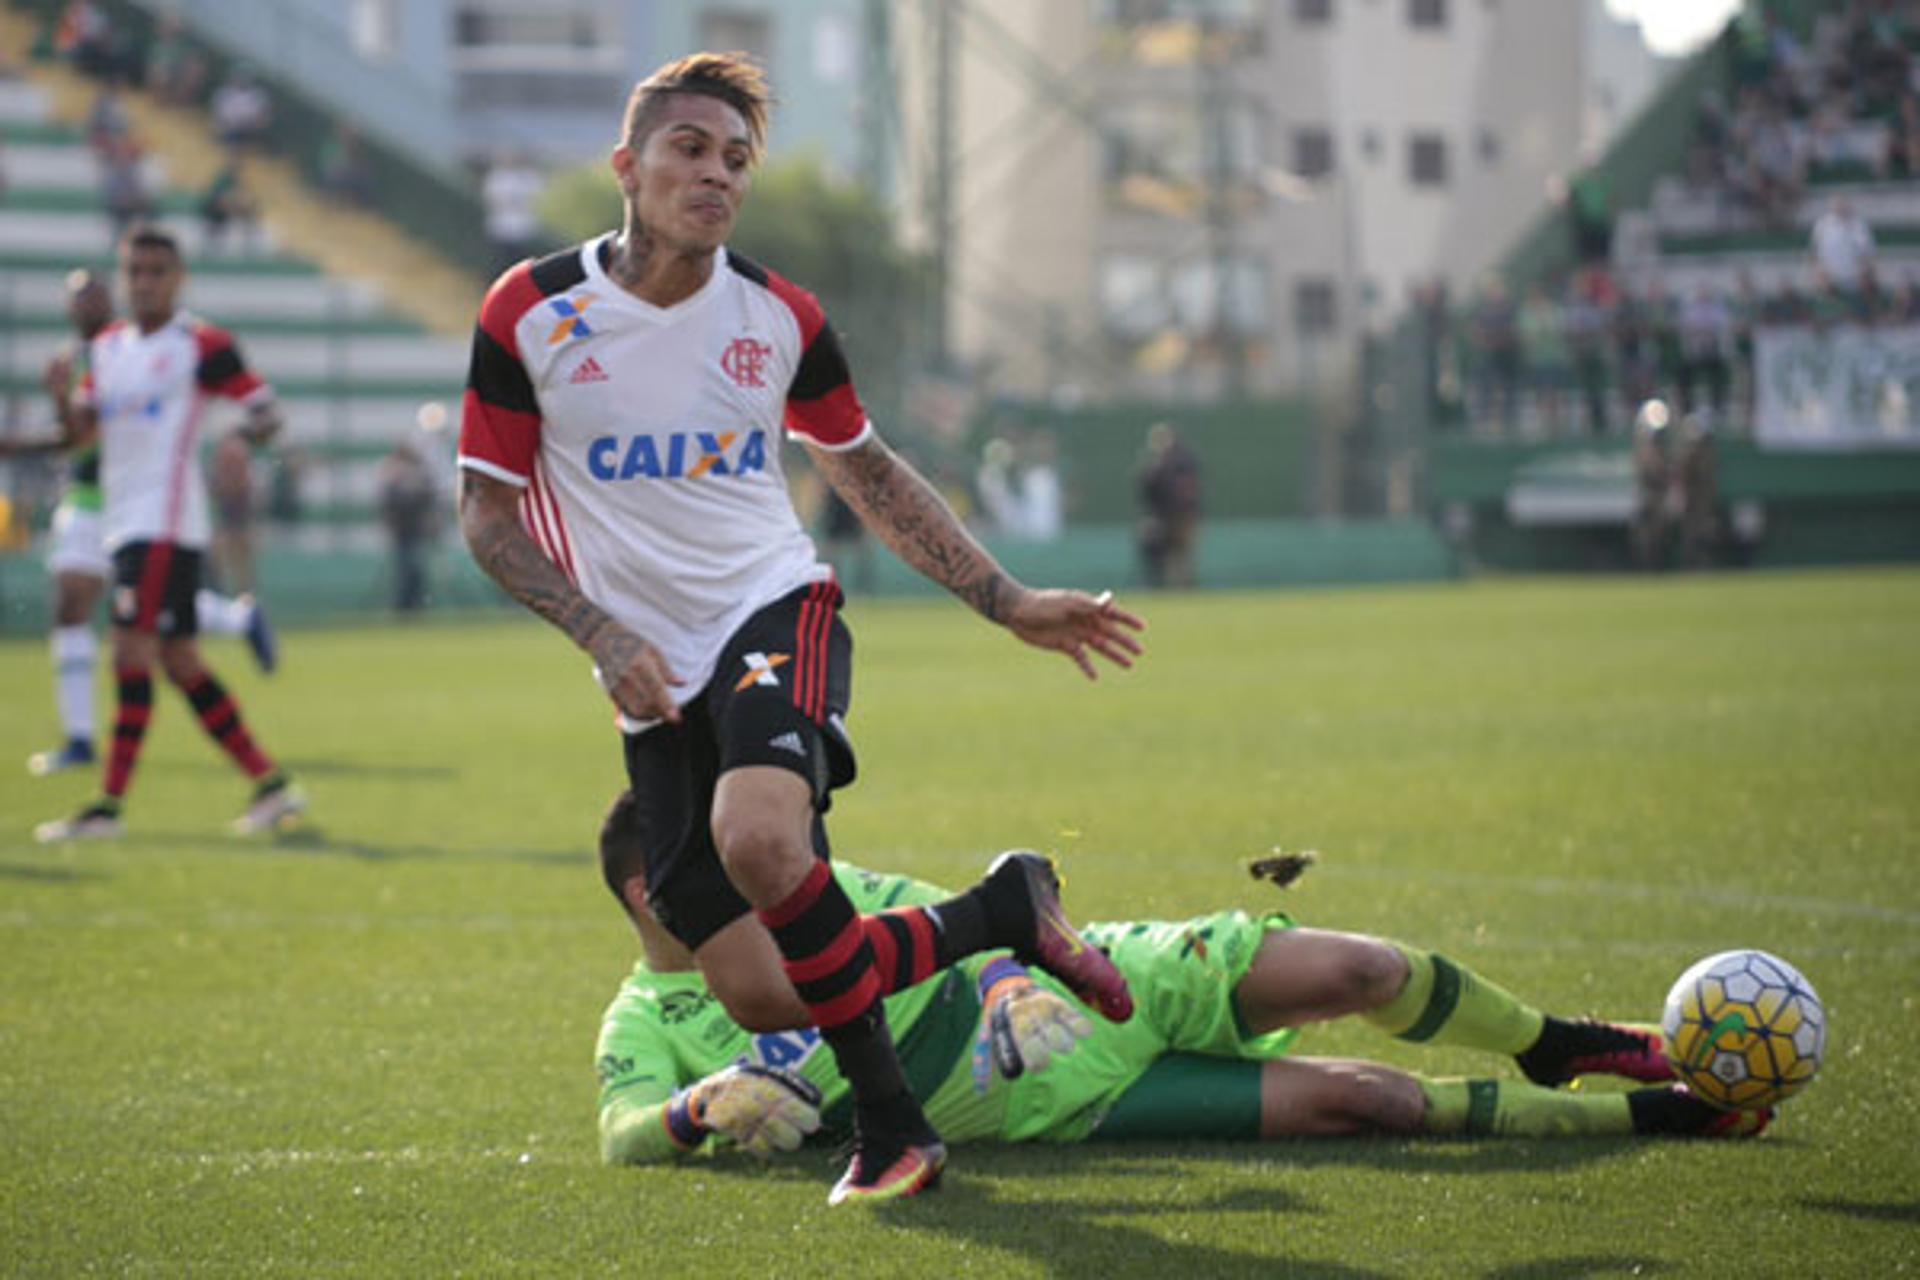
(77, 555)
(144, 398)
(1208, 1055)
(621, 477)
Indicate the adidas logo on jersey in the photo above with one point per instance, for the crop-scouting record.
(588, 370)
(788, 741)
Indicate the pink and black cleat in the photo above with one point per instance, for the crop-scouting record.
(1056, 946)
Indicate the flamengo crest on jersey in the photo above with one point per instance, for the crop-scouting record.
(646, 439)
(151, 392)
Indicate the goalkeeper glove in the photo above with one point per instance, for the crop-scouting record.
(1026, 1025)
(763, 1109)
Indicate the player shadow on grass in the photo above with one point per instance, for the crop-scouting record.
(50, 875)
(1579, 1266)
(310, 839)
(316, 768)
(1905, 1211)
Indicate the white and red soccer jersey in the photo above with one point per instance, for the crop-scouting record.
(152, 391)
(648, 438)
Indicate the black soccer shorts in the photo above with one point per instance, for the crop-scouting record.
(779, 697)
(154, 586)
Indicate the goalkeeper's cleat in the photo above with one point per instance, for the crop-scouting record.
(1590, 1047)
(889, 1170)
(275, 803)
(98, 821)
(1676, 1112)
(76, 753)
(1055, 946)
(260, 637)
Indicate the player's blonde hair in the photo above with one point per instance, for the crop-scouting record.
(733, 78)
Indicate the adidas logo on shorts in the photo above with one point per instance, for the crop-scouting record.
(788, 741)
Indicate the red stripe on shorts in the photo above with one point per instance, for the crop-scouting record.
(153, 585)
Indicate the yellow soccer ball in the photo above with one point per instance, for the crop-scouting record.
(1744, 1030)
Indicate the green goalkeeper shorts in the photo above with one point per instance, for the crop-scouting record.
(1183, 975)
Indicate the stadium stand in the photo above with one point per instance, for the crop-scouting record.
(355, 361)
(1695, 234)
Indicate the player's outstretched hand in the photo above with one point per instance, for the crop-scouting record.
(1028, 1025)
(635, 674)
(763, 1109)
(1078, 625)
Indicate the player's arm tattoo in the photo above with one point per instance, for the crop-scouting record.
(490, 523)
(911, 517)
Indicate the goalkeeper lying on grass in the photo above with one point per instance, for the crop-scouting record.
(998, 1053)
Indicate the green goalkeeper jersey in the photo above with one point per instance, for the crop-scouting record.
(665, 1030)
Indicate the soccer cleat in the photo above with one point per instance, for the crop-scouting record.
(76, 754)
(889, 1171)
(98, 821)
(1677, 1112)
(276, 802)
(260, 637)
(1056, 946)
(1589, 1047)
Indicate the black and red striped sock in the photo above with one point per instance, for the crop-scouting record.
(904, 943)
(824, 948)
(134, 710)
(220, 717)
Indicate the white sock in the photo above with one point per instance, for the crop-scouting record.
(222, 615)
(73, 652)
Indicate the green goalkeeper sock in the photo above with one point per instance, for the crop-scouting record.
(1514, 1109)
(1444, 1003)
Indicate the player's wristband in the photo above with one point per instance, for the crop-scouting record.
(685, 1131)
(996, 971)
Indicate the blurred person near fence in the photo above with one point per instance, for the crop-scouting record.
(1170, 496)
(410, 510)
(242, 110)
(225, 204)
(1653, 473)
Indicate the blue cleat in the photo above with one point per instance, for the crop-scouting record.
(260, 638)
(76, 754)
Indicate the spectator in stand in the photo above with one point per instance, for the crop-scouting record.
(509, 193)
(1496, 341)
(1588, 321)
(85, 37)
(1696, 486)
(1905, 158)
(242, 111)
(1633, 350)
(1652, 487)
(123, 185)
(1842, 243)
(1744, 312)
(107, 122)
(1663, 327)
(1170, 493)
(412, 517)
(1543, 347)
(345, 172)
(227, 203)
(1705, 332)
(1776, 169)
(176, 73)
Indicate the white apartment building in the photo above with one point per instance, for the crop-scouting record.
(1192, 198)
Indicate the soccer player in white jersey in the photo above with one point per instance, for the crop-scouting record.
(77, 555)
(144, 399)
(621, 478)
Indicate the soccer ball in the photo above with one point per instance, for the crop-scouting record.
(1743, 1030)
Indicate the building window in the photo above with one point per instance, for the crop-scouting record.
(375, 28)
(1430, 14)
(1312, 12)
(1487, 143)
(567, 37)
(1312, 152)
(1316, 307)
(1161, 155)
(1427, 160)
(1370, 143)
(749, 31)
(1208, 301)
(1133, 297)
(1181, 32)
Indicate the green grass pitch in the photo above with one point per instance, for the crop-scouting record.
(366, 1050)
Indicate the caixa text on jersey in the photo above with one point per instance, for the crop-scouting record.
(678, 455)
